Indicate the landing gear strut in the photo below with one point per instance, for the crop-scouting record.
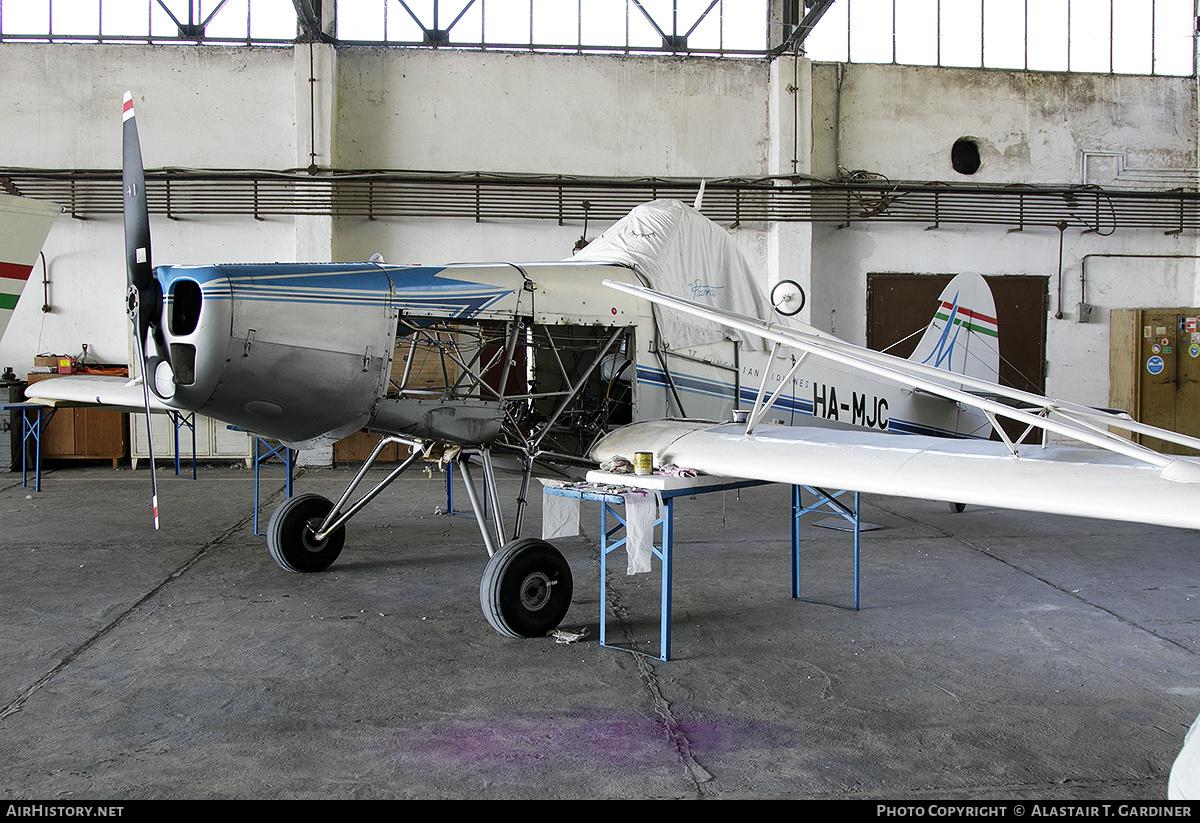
(526, 586)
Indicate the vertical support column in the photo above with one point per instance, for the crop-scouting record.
(604, 573)
(857, 547)
(329, 17)
(789, 245)
(664, 617)
(797, 510)
(263, 452)
(315, 67)
(777, 19)
(178, 420)
(826, 502)
(316, 98)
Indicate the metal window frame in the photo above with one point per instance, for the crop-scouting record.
(897, 6)
(191, 29)
(674, 41)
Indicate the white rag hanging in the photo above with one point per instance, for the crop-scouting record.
(641, 510)
(560, 516)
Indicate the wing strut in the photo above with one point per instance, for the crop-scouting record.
(760, 409)
(1067, 419)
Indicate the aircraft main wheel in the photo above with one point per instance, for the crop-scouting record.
(526, 588)
(291, 537)
(958, 508)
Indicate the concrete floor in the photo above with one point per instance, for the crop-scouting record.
(997, 655)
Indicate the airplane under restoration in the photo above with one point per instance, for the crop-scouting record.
(543, 361)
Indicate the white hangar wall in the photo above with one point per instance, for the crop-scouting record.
(550, 113)
(541, 114)
(603, 115)
(1054, 129)
(200, 108)
(206, 107)
(1031, 127)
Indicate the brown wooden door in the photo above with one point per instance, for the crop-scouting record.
(900, 306)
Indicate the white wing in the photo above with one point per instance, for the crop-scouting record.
(1057, 480)
(116, 393)
(1116, 480)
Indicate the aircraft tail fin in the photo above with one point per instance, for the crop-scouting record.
(24, 224)
(963, 337)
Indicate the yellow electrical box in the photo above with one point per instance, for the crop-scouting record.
(1154, 362)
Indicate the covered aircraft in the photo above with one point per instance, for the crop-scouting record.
(541, 361)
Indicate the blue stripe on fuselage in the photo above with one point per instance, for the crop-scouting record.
(708, 387)
(423, 288)
(690, 384)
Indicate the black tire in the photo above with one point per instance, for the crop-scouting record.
(526, 588)
(958, 508)
(290, 535)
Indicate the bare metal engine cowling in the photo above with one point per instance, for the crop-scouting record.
(299, 353)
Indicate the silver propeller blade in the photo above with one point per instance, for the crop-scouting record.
(144, 301)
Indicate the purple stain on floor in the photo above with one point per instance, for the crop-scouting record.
(732, 735)
(620, 741)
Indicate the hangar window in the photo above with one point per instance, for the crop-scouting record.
(713, 27)
(729, 27)
(1153, 37)
(1108, 36)
(155, 21)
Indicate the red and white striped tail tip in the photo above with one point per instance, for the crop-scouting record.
(127, 106)
(154, 503)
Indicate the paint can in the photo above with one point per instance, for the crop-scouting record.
(643, 463)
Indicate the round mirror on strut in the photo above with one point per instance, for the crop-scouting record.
(787, 297)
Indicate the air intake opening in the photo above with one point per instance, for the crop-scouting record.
(186, 300)
(183, 362)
